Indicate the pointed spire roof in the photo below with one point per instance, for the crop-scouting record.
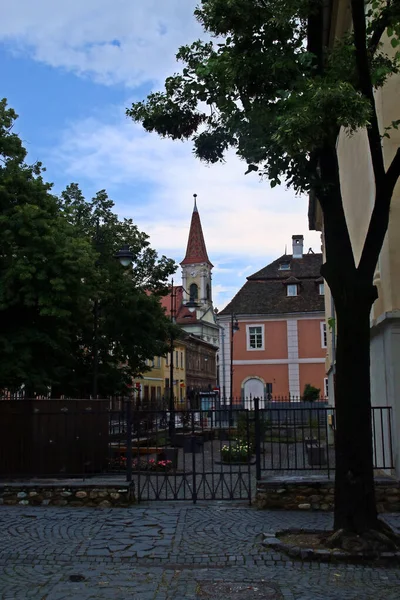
(196, 251)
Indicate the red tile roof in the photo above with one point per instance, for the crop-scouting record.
(196, 251)
(181, 313)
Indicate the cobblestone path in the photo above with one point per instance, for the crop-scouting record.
(170, 552)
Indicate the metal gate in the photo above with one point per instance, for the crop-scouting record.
(190, 454)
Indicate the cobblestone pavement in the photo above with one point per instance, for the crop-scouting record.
(170, 552)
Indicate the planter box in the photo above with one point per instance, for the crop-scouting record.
(193, 444)
(316, 455)
(178, 440)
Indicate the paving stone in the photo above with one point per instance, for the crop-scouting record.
(162, 552)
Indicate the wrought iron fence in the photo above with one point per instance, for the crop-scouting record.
(212, 452)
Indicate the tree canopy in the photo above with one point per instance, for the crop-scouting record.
(267, 85)
(56, 263)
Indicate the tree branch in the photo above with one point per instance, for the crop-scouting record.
(379, 29)
(366, 88)
(379, 221)
(393, 172)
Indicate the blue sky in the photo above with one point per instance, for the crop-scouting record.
(71, 69)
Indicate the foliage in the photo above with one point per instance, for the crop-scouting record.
(246, 431)
(310, 393)
(61, 287)
(152, 465)
(132, 327)
(257, 87)
(236, 453)
(42, 264)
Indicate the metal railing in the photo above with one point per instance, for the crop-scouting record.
(185, 454)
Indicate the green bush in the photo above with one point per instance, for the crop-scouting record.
(247, 433)
(310, 393)
(239, 452)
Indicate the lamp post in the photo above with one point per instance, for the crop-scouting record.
(192, 307)
(95, 349)
(171, 405)
(234, 328)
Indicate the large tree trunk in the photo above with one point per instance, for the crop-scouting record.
(355, 508)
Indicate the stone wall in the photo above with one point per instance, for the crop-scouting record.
(317, 493)
(67, 494)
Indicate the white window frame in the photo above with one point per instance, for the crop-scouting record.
(248, 347)
(324, 334)
(321, 286)
(326, 387)
(294, 287)
(284, 266)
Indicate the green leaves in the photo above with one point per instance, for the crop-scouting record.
(260, 89)
(56, 261)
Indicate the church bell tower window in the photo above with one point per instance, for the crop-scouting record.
(194, 292)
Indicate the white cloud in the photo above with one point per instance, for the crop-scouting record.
(222, 294)
(245, 271)
(123, 41)
(241, 216)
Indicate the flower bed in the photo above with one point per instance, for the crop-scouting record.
(119, 463)
(152, 465)
(235, 453)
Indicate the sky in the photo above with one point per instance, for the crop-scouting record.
(70, 70)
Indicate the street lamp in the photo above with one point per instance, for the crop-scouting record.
(234, 328)
(192, 307)
(125, 256)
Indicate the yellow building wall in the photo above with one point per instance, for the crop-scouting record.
(179, 373)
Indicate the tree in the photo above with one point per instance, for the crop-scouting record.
(272, 87)
(41, 267)
(59, 281)
(120, 324)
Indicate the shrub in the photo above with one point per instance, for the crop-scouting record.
(238, 452)
(246, 433)
(310, 393)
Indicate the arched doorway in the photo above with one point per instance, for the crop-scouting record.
(253, 388)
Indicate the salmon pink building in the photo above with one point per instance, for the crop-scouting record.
(273, 332)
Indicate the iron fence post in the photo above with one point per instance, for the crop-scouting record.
(194, 487)
(257, 436)
(129, 440)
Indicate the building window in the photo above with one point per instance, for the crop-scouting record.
(321, 289)
(193, 292)
(323, 335)
(292, 289)
(177, 358)
(158, 362)
(284, 266)
(326, 387)
(167, 360)
(255, 337)
(208, 295)
(181, 360)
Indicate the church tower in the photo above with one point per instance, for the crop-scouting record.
(196, 314)
(196, 266)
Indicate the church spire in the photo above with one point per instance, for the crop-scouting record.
(196, 252)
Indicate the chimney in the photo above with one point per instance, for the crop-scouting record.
(297, 246)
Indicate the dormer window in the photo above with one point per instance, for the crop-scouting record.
(292, 286)
(284, 266)
(321, 289)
